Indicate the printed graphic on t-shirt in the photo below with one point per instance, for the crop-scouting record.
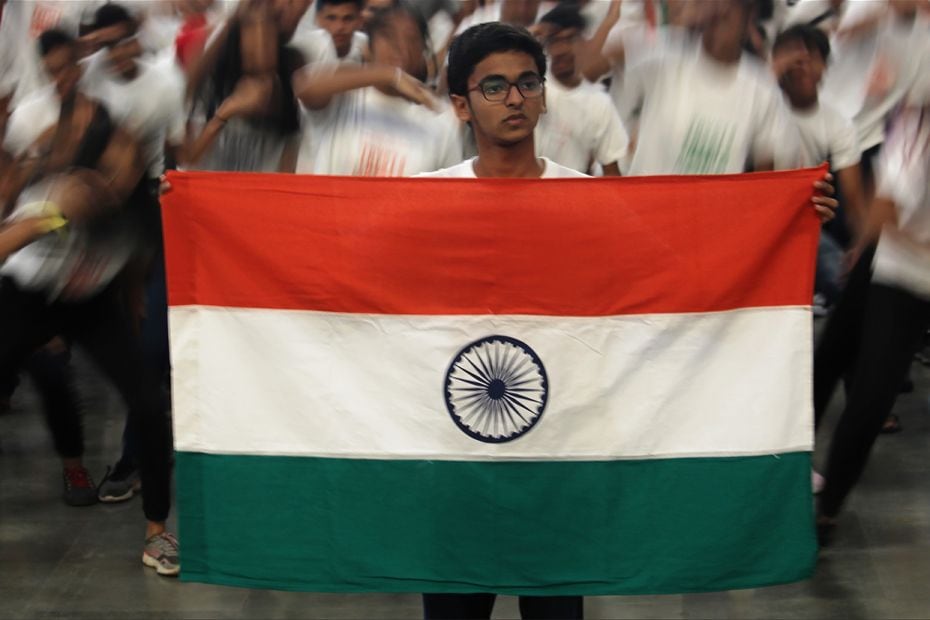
(43, 18)
(377, 161)
(706, 148)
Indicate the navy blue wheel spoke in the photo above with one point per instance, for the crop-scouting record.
(485, 376)
(480, 379)
(507, 409)
(523, 370)
(479, 382)
(524, 398)
(468, 389)
(517, 403)
(486, 367)
(510, 358)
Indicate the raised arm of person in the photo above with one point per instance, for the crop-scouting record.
(251, 96)
(20, 233)
(598, 54)
(316, 88)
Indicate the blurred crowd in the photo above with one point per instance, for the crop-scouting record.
(98, 99)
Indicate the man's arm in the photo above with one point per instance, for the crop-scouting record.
(21, 233)
(316, 88)
(598, 57)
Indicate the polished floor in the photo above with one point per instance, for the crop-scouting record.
(62, 562)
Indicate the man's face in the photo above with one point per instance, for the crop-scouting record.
(340, 21)
(400, 45)
(62, 67)
(121, 45)
(512, 119)
(726, 23)
(805, 69)
(562, 48)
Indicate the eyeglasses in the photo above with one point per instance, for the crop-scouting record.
(497, 89)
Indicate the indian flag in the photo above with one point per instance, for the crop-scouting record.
(568, 386)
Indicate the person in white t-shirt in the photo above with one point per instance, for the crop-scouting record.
(84, 167)
(245, 116)
(496, 76)
(146, 98)
(799, 58)
(880, 50)
(708, 108)
(23, 22)
(882, 316)
(379, 119)
(581, 127)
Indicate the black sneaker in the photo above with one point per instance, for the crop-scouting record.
(80, 489)
(119, 485)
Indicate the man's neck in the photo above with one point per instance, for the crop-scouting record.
(719, 54)
(804, 105)
(516, 161)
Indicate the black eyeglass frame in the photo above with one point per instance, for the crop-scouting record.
(510, 86)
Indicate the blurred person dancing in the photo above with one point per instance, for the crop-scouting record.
(581, 128)
(245, 113)
(378, 118)
(145, 98)
(884, 312)
(77, 174)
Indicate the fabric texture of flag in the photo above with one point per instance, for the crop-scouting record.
(570, 386)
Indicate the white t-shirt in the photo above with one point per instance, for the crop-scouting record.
(580, 127)
(826, 136)
(871, 74)
(30, 119)
(317, 47)
(364, 132)
(903, 258)
(466, 170)
(703, 117)
(150, 107)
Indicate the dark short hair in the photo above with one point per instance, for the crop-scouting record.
(565, 16)
(763, 9)
(811, 37)
(359, 4)
(112, 14)
(382, 19)
(478, 42)
(52, 39)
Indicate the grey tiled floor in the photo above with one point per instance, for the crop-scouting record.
(61, 562)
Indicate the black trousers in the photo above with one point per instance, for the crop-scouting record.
(50, 371)
(891, 322)
(838, 347)
(479, 606)
(102, 326)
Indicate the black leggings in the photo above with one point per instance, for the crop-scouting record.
(50, 371)
(102, 326)
(479, 606)
(879, 328)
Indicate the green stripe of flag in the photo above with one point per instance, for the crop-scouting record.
(557, 527)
